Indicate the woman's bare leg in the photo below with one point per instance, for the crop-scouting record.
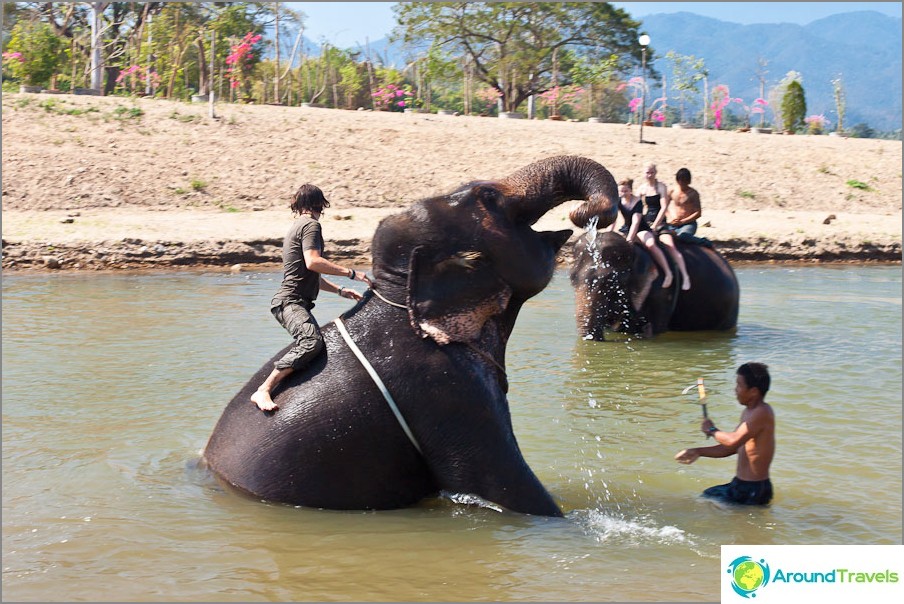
(669, 241)
(649, 240)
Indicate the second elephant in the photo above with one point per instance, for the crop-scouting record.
(618, 288)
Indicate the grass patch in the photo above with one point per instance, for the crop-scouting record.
(856, 184)
(230, 209)
(824, 169)
(53, 106)
(179, 191)
(746, 194)
(128, 113)
(185, 119)
(198, 185)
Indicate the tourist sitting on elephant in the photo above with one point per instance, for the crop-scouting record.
(636, 229)
(683, 207)
(304, 267)
(655, 198)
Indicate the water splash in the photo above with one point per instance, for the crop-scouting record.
(471, 499)
(606, 528)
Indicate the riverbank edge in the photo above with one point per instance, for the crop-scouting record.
(132, 254)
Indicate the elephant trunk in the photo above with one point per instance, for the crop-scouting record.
(538, 187)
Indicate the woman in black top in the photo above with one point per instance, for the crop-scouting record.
(637, 230)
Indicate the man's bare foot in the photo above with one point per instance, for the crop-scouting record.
(262, 399)
(667, 280)
(685, 283)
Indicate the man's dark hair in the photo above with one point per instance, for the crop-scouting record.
(683, 175)
(308, 198)
(756, 375)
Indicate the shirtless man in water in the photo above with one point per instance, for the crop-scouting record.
(753, 440)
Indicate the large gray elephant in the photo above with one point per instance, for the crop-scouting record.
(450, 276)
(618, 287)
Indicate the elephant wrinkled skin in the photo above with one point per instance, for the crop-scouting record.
(461, 266)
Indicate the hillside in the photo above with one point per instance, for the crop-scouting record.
(166, 185)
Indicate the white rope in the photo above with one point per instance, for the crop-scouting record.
(376, 378)
(390, 302)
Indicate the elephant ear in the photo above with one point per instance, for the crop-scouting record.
(450, 298)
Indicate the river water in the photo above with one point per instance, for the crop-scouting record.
(112, 383)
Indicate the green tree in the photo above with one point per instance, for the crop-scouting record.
(687, 72)
(777, 94)
(794, 107)
(40, 50)
(596, 78)
(510, 45)
(352, 78)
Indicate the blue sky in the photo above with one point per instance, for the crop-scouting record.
(346, 24)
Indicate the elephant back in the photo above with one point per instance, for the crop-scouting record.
(713, 301)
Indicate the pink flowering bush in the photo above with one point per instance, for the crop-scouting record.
(133, 79)
(392, 97)
(657, 114)
(488, 97)
(816, 124)
(558, 96)
(636, 86)
(13, 56)
(241, 60)
(721, 100)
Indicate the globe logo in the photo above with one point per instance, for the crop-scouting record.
(748, 575)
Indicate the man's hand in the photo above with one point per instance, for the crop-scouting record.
(687, 456)
(350, 294)
(361, 276)
(706, 426)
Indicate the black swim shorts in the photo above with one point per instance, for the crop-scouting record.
(744, 492)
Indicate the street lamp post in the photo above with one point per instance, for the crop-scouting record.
(644, 41)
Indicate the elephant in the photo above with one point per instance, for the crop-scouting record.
(618, 287)
(450, 275)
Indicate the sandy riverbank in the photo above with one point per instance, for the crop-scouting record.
(106, 183)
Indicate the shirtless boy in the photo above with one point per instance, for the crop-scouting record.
(753, 440)
(683, 209)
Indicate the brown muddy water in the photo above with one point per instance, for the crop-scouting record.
(112, 384)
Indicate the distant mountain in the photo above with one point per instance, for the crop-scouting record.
(864, 47)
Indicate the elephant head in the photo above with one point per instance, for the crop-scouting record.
(450, 275)
(617, 288)
(462, 258)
